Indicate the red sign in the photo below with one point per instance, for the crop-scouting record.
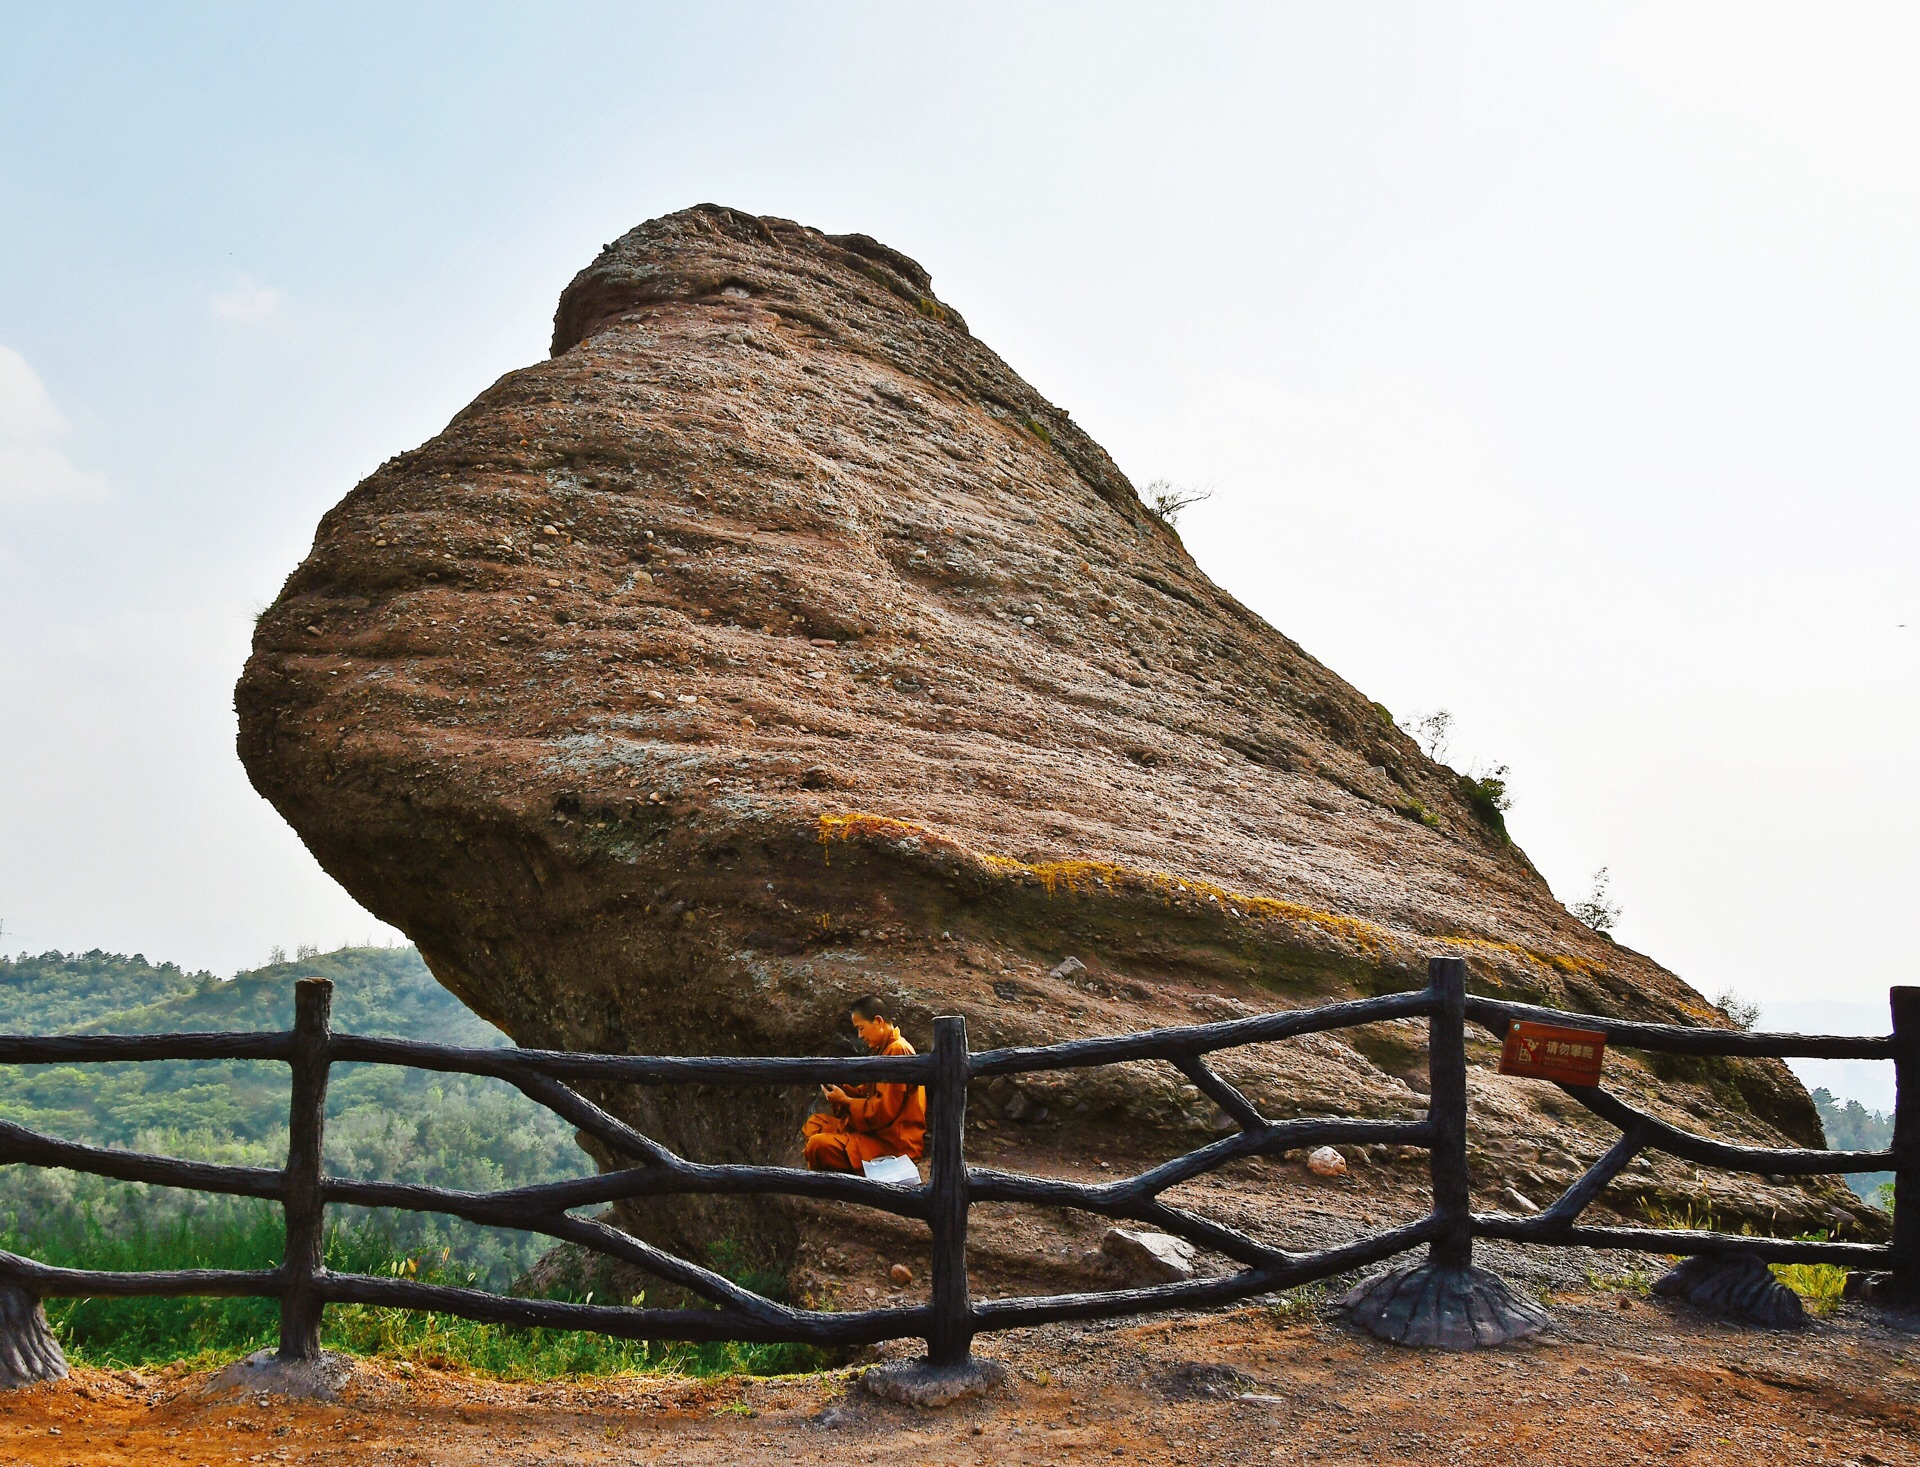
(1547, 1052)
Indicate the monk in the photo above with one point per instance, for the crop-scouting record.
(868, 1121)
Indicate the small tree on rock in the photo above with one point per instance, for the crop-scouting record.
(1597, 909)
(1166, 500)
(1742, 1013)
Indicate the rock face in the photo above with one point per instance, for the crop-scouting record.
(773, 642)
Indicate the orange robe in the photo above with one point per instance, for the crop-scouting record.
(890, 1122)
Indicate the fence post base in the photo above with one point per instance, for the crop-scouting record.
(1737, 1286)
(1444, 1306)
(318, 1378)
(29, 1353)
(928, 1386)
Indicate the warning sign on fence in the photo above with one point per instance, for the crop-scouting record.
(1547, 1052)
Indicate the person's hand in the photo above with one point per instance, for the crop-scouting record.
(834, 1094)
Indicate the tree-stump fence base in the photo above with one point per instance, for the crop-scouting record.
(29, 1353)
(1444, 1307)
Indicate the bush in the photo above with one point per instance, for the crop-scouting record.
(1165, 500)
(1486, 795)
(1742, 1013)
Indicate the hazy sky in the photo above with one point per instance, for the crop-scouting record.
(1553, 365)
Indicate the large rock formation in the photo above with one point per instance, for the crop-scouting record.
(773, 642)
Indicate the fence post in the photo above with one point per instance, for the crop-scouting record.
(1905, 1003)
(950, 1341)
(1447, 1111)
(1446, 1301)
(306, 1123)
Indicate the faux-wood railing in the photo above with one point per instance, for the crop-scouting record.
(951, 1319)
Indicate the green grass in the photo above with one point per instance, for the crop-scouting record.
(1635, 1281)
(1297, 1304)
(1822, 1285)
(116, 1333)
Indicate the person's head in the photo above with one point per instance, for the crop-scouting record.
(870, 1021)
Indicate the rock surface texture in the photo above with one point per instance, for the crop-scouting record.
(773, 642)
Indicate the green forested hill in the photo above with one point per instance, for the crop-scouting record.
(1851, 1126)
(393, 1124)
(57, 993)
(377, 990)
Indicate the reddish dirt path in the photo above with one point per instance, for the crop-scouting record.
(1652, 1382)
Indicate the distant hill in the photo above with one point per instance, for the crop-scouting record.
(1850, 1126)
(382, 1122)
(377, 990)
(60, 992)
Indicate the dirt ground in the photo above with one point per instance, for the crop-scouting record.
(1622, 1379)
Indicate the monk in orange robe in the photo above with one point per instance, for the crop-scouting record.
(868, 1121)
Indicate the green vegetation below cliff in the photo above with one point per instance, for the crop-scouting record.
(1850, 1126)
(382, 1123)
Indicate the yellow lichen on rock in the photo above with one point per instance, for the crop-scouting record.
(1371, 939)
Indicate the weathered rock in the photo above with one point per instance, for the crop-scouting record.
(774, 642)
(1326, 1161)
(1736, 1286)
(1517, 1201)
(1158, 1258)
(928, 1386)
(264, 1372)
(1887, 1290)
(1444, 1307)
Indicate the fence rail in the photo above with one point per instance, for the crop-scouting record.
(952, 1318)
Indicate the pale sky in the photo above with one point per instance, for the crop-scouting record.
(1555, 365)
